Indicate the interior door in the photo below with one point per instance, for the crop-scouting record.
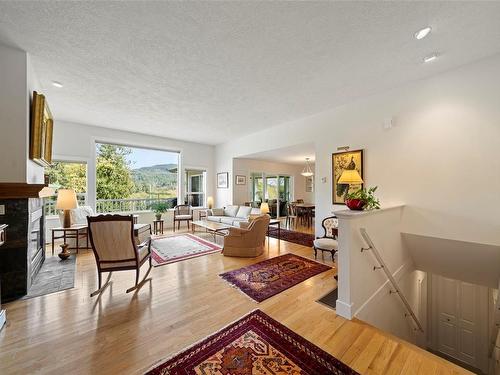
(461, 316)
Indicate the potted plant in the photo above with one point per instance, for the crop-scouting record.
(363, 199)
(159, 208)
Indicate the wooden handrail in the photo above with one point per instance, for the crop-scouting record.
(391, 279)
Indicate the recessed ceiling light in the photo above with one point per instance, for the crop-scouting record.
(57, 84)
(431, 57)
(422, 33)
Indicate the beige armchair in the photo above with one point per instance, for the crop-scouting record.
(115, 248)
(249, 241)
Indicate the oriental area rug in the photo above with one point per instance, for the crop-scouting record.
(255, 344)
(165, 250)
(272, 276)
(300, 238)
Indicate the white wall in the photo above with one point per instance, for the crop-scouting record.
(442, 159)
(77, 142)
(245, 167)
(17, 81)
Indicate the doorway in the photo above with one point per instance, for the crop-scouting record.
(459, 321)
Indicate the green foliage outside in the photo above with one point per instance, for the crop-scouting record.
(68, 176)
(113, 173)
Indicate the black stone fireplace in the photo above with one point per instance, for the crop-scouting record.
(23, 253)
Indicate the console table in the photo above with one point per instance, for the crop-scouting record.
(3, 235)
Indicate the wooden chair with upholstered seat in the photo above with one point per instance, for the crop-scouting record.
(182, 212)
(329, 240)
(115, 248)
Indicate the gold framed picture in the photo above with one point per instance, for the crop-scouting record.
(41, 131)
(340, 162)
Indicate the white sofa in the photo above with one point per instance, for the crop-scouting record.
(231, 215)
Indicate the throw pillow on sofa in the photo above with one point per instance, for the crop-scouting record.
(217, 212)
(231, 211)
(244, 212)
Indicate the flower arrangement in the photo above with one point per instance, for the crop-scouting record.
(363, 199)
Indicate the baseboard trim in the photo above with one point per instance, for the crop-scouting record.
(3, 316)
(344, 309)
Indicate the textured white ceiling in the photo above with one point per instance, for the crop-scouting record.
(210, 71)
(295, 154)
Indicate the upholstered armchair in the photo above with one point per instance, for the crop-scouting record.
(247, 242)
(115, 248)
(328, 242)
(182, 212)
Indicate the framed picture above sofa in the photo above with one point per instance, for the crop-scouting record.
(223, 180)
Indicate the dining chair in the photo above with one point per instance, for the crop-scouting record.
(182, 212)
(115, 248)
(291, 215)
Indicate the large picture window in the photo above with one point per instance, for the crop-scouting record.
(130, 179)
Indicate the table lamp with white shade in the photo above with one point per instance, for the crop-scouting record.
(66, 200)
(264, 208)
(210, 202)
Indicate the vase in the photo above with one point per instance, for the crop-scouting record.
(355, 204)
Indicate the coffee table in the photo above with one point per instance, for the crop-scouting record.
(211, 226)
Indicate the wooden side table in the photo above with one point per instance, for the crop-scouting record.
(158, 226)
(75, 231)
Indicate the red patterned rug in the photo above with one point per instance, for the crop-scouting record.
(255, 344)
(272, 276)
(170, 249)
(300, 238)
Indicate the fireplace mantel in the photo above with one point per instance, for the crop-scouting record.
(19, 190)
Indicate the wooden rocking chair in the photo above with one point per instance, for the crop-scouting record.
(115, 248)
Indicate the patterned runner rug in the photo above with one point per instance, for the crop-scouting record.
(170, 249)
(300, 238)
(255, 344)
(272, 276)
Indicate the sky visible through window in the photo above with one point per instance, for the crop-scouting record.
(140, 157)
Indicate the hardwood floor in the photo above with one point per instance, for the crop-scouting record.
(70, 333)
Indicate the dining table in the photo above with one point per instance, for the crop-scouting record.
(306, 211)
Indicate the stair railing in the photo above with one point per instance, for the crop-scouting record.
(382, 266)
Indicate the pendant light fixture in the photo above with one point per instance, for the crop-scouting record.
(307, 171)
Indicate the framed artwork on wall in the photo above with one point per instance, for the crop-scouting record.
(309, 184)
(340, 162)
(241, 180)
(41, 130)
(223, 180)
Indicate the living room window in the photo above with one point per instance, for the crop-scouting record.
(195, 187)
(66, 175)
(132, 179)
